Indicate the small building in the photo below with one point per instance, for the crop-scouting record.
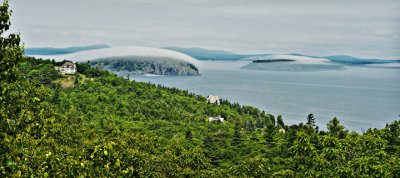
(281, 130)
(67, 68)
(213, 99)
(214, 119)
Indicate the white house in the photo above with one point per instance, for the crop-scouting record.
(213, 99)
(67, 68)
(281, 130)
(213, 119)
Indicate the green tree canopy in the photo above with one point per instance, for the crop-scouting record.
(336, 128)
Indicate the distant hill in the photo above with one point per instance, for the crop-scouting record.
(220, 55)
(206, 54)
(350, 60)
(60, 51)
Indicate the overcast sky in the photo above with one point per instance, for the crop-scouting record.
(364, 28)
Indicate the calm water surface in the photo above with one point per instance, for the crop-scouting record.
(360, 97)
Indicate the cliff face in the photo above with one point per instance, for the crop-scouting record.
(140, 65)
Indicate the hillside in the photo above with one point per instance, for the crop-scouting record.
(105, 125)
(141, 65)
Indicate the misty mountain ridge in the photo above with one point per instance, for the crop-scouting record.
(216, 55)
(60, 51)
(205, 54)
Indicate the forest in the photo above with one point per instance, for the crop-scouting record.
(96, 124)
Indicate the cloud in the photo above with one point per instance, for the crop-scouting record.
(315, 27)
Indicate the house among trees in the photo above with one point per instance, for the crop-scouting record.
(281, 130)
(213, 99)
(67, 68)
(213, 119)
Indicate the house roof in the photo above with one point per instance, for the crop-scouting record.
(69, 63)
(212, 97)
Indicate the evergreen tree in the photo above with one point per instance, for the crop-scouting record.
(259, 123)
(272, 118)
(188, 134)
(76, 81)
(237, 137)
(279, 121)
(336, 129)
(250, 126)
(310, 120)
(269, 135)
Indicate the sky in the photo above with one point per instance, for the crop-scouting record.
(362, 28)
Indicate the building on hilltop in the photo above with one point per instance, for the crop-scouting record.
(67, 68)
(213, 119)
(213, 99)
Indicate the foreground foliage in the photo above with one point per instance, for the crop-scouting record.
(106, 126)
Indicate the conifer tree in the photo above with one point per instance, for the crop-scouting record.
(310, 120)
(279, 121)
(336, 129)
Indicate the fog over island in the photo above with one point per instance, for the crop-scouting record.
(84, 56)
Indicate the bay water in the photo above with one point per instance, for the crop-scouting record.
(360, 97)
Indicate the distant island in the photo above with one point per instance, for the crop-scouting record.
(273, 60)
(143, 65)
(292, 63)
